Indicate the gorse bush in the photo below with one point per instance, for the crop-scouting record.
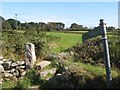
(115, 52)
(91, 51)
(14, 43)
(38, 38)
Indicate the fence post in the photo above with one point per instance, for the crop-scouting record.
(106, 53)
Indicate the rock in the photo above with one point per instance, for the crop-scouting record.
(17, 67)
(1, 69)
(1, 62)
(23, 73)
(6, 60)
(22, 67)
(14, 78)
(1, 57)
(34, 88)
(12, 70)
(66, 68)
(1, 80)
(71, 53)
(8, 75)
(1, 73)
(7, 79)
(59, 74)
(30, 56)
(7, 71)
(20, 71)
(63, 55)
(43, 64)
(6, 66)
(14, 65)
(37, 67)
(16, 73)
(20, 62)
(51, 71)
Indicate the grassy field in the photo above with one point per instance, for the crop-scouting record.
(63, 41)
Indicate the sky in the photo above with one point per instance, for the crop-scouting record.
(83, 13)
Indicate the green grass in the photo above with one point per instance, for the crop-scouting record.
(64, 40)
(98, 70)
(88, 68)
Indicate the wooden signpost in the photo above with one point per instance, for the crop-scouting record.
(102, 32)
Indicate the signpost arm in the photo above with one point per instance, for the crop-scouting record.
(106, 53)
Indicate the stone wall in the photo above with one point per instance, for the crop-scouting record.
(10, 70)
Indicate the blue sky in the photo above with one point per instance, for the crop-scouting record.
(85, 13)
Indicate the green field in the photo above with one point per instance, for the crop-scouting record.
(63, 41)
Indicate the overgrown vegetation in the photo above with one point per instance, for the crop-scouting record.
(13, 45)
(92, 51)
(85, 70)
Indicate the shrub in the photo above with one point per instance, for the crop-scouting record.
(8, 85)
(91, 51)
(23, 84)
(14, 43)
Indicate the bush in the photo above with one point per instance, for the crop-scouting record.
(14, 43)
(23, 84)
(8, 85)
(91, 51)
(31, 78)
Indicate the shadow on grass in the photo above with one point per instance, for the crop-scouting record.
(71, 80)
(66, 80)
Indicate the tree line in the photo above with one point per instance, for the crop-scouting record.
(12, 24)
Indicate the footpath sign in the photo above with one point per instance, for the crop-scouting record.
(94, 33)
(91, 34)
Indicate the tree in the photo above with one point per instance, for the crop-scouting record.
(42, 26)
(25, 26)
(111, 28)
(75, 26)
(55, 26)
(50, 26)
(1, 18)
(60, 26)
(5, 25)
(12, 23)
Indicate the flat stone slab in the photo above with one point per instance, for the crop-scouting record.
(43, 64)
(50, 71)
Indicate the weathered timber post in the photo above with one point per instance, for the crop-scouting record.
(106, 53)
(30, 56)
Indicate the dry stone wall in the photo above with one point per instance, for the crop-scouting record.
(10, 70)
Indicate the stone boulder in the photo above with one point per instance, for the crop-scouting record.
(50, 71)
(1, 62)
(8, 75)
(1, 74)
(1, 57)
(43, 64)
(30, 57)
